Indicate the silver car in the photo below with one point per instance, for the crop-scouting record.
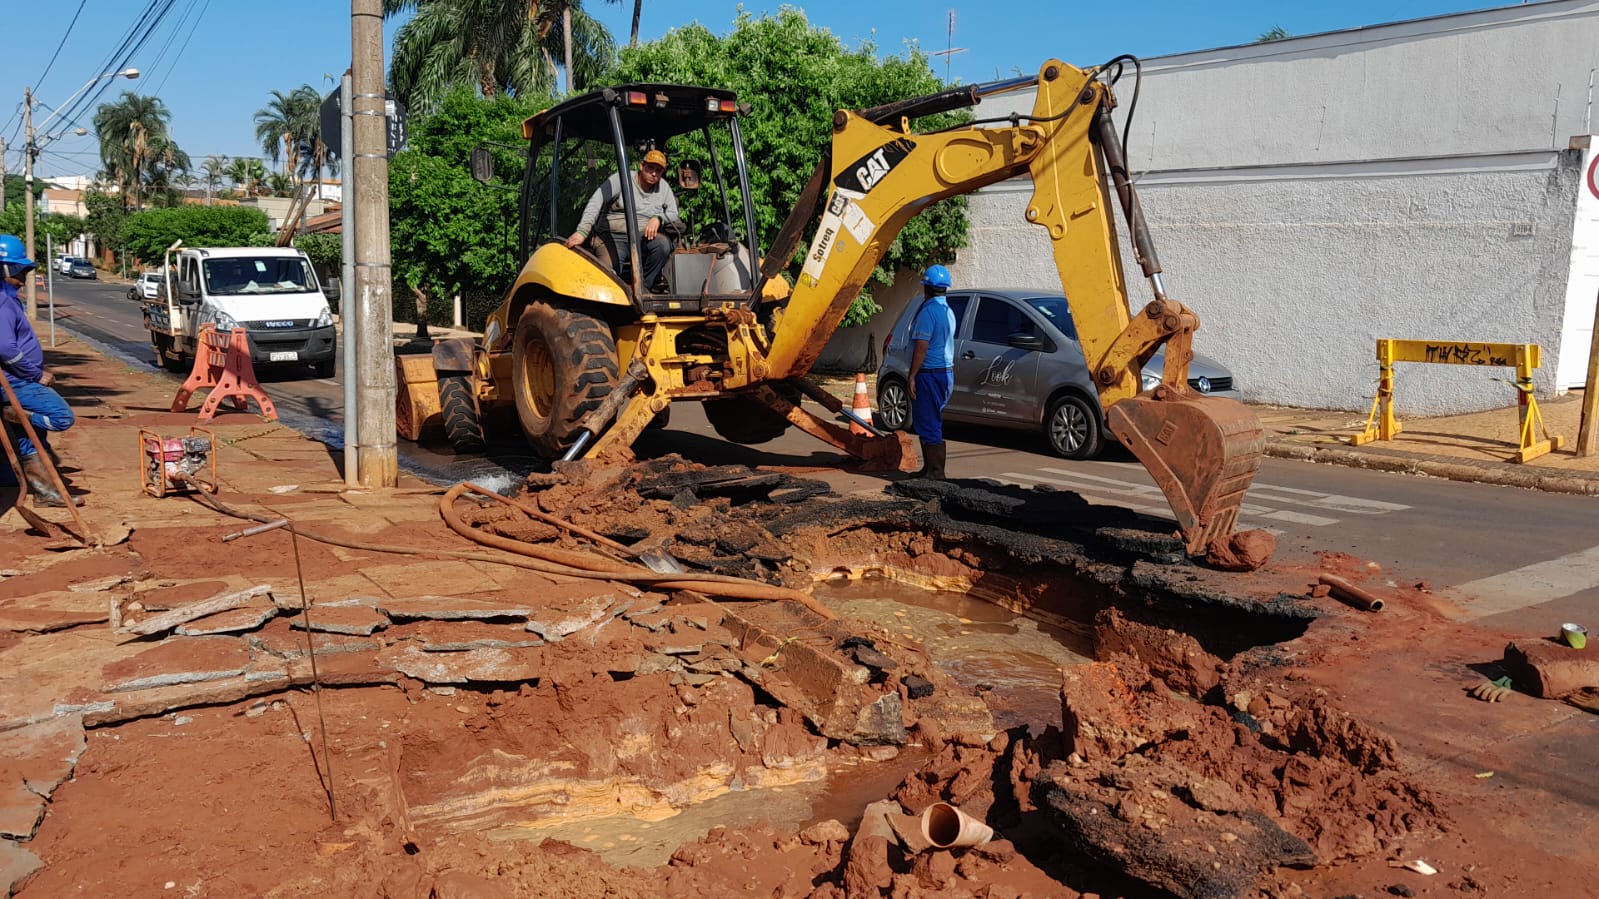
(1018, 365)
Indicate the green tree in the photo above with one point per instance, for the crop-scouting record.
(448, 234)
(59, 226)
(147, 234)
(1275, 33)
(288, 126)
(136, 146)
(249, 174)
(280, 184)
(212, 173)
(106, 219)
(496, 46)
(794, 77)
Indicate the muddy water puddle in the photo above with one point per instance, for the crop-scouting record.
(1013, 661)
(632, 842)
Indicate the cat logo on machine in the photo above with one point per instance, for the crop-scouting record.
(863, 174)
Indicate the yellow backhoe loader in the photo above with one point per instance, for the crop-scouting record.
(589, 356)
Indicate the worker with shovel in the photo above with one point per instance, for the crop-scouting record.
(22, 360)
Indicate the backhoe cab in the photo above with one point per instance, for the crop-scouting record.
(588, 355)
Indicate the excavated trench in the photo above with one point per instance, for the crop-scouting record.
(1128, 722)
(963, 610)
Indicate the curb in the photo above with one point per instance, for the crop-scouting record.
(1495, 473)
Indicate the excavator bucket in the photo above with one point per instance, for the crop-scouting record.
(1203, 453)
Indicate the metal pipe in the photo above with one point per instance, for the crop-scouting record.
(1110, 145)
(258, 529)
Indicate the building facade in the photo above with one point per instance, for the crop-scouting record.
(1431, 179)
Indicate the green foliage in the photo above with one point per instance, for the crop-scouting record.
(106, 219)
(326, 251)
(449, 234)
(136, 145)
(147, 234)
(59, 227)
(794, 77)
(17, 189)
(1276, 33)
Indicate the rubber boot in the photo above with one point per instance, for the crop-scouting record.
(40, 486)
(934, 454)
(922, 471)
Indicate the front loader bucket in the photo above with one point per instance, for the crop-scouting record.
(1203, 453)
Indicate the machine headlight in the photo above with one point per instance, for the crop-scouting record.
(324, 319)
(225, 322)
(1151, 380)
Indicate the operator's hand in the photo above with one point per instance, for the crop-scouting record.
(46, 379)
(576, 238)
(652, 228)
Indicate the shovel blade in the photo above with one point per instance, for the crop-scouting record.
(1202, 451)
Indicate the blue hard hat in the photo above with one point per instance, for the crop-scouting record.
(937, 276)
(12, 251)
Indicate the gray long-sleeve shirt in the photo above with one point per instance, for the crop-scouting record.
(660, 203)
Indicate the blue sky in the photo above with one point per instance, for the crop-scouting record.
(215, 62)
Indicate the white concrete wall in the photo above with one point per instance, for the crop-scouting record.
(1309, 196)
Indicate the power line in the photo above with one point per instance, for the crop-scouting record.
(70, 25)
(185, 46)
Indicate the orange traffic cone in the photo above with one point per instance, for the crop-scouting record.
(862, 406)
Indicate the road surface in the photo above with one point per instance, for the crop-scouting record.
(1528, 556)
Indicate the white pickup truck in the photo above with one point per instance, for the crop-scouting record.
(270, 292)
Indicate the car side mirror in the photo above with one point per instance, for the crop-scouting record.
(1029, 342)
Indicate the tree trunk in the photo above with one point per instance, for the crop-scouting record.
(421, 315)
(566, 39)
(637, 6)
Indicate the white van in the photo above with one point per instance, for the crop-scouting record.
(270, 292)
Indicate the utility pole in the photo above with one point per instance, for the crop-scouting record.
(347, 312)
(3, 149)
(28, 152)
(377, 454)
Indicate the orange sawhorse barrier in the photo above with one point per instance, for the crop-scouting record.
(222, 366)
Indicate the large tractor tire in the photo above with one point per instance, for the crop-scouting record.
(743, 420)
(563, 365)
(462, 426)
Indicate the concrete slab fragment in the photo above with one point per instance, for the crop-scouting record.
(19, 619)
(21, 809)
(45, 754)
(234, 621)
(462, 636)
(557, 626)
(451, 608)
(180, 660)
(351, 620)
(474, 666)
(278, 640)
(16, 864)
(166, 621)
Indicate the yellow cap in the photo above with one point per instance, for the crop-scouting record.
(655, 156)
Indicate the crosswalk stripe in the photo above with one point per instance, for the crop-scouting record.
(1531, 585)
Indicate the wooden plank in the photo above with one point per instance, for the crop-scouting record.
(170, 619)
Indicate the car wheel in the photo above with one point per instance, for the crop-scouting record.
(893, 405)
(1072, 428)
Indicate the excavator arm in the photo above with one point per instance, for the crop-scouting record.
(1202, 451)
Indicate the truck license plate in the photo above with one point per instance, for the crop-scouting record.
(288, 356)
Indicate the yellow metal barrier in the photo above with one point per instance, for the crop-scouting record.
(1523, 357)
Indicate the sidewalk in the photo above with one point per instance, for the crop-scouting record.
(1476, 447)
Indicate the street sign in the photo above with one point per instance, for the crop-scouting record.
(329, 120)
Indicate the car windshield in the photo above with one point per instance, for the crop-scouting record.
(1058, 313)
(257, 275)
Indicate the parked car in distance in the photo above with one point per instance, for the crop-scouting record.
(81, 268)
(1018, 364)
(148, 286)
(62, 263)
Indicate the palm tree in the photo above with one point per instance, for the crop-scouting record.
(290, 125)
(280, 184)
(136, 146)
(1276, 33)
(212, 171)
(498, 46)
(248, 173)
(638, 7)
